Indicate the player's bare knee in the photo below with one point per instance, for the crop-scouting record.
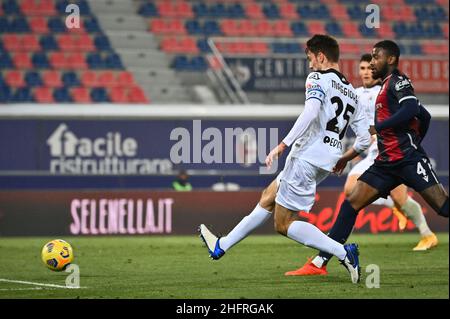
(267, 200)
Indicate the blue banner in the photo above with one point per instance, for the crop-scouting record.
(270, 74)
(155, 147)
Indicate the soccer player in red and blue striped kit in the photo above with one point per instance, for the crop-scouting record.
(401, 123)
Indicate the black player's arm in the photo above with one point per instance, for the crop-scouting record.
(425, 118)
(409, 108)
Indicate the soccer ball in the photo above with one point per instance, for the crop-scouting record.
(57, 254)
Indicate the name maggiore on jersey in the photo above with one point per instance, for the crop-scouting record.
(339, 100)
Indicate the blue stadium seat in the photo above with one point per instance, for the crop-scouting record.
(202, 44)
(299, 29)
(56, 25)
(415, 49)
(5, 93)
(356, 12)
(198, 63)
(333, 28)
(211, 28)
(48, 43)
(321, 12)
(433, 31)
(367, 32)
(271, 11)
(91, 25)
(236, 11)
(62, 95)
(112, 61)
(193, 27)
(40, 60)
(22, 95)
(32, 78)
(218, 11)
(99, 95)
(19, 25)
(4, 24)
(5, 61)
(180, 63)
(70, 79)
(200, 10)
(95, 61)
(11, 7)
(148, 10)
(102, 43)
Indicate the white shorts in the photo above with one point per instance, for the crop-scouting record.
(361, 166)
(297, 184)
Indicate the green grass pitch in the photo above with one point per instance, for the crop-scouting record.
(179, 267)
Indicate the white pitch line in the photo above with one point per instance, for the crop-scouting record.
(38, 284)
(16, 289)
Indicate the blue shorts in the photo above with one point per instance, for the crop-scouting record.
(416, 173)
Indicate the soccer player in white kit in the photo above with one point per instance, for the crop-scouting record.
(331, 105)
(403, 206)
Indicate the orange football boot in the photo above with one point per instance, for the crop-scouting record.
(427, 242)
(402, 219)
(308, 269)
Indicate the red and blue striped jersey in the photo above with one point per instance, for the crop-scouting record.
(394, 144)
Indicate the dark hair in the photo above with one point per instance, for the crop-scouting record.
(366, 57)
(390, 47)
(325, 44)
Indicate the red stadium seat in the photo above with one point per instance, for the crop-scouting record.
(444, 28)
(176, 27)
(22, 60)
(137, 95)
(349, 48)
(282, 28)
(43, 94)
(107, 79)
(84, 43)
(12, 42)
(435, 49)
(157, 26)
(288, 11)
(125, 78)
(264, 28)
(188, 45)
(89, 79)
(183, 10)
(247, 28)
(339, 12)
(38, 24)
(160, 26)
(260, 48)
(119, 95)
(230, 27)
(14, 78)
(52, 78)
(29, 7)
(66, 42)
(58, 60)
(81, 95)
(351, 30)
(254, 11)
(47, 7)
(316, 27)
(385, 31)
(77, 61)
(30, 42)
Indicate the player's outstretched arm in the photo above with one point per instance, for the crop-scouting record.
(409, 108)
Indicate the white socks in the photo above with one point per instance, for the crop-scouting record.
(249, 223)
(388, 202)
(309, 235)
(414, 212)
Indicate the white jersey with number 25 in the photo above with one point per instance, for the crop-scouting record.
(322, 146)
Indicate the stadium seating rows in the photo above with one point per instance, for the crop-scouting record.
(183, 27)
(41, 60)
